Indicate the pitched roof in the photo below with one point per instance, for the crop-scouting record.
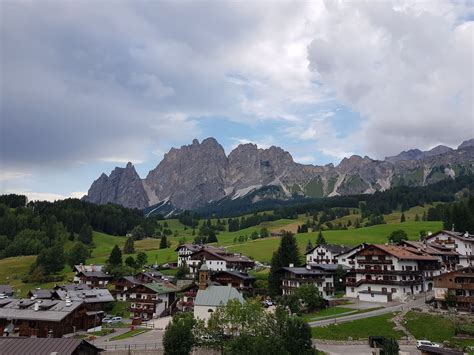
(217, 295)
(403, 253)
(333, 248)
(99, 274)
(71, 287)
(42, 294)
(429, 248)
(463, 236)
(305, 271)
(162, 287)
(6, 290)
(238, 274)
(95, 295)
(43, 346)
(91, 267)
(53, 311)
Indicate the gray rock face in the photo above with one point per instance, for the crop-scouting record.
(467, 144)
(123, 187)
(198, 173)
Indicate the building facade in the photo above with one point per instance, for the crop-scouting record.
(455, 289)
(462, 243)
(383, 273)
(152, 300)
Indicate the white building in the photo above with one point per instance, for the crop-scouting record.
(320, 275)
(462, 243)
(382, 273)
(325, 254)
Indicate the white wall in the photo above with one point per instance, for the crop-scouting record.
(202, 312)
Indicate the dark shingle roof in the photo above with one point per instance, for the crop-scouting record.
(43, 346)
(240, 275)
(333, 248)
(6, 290)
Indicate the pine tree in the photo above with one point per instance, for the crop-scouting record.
(212, 238)
(85, 234)
(115, 258)
(402, 218)
(163, 242)
(129, 247)
(417, 218)
(320, 240)
(423, 218)
(309, 246)
(286, 254)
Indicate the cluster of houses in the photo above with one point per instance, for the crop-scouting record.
(385, 272)
(370, 272)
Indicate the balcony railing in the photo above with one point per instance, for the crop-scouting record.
(384, 282)
(391, 272)
(363, 261)
(142, 310)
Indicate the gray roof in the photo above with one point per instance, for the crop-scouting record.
(240, 275)
(42, 346)
(81, 267)
(305, 271)
(100, 274)
(328, 267)
(71, 287)
(333, 248)
(95, 295)
(42, 294)
(54, 310)
(6, 290)
(217, 295)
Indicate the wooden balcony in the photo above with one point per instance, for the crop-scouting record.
(375, 262)
(384, 282)
(465, 299)
(388, 272)
(142, 310)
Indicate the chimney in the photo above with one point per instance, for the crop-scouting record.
(37, 306)
(466, 234)
(292, 265)
(308, 267)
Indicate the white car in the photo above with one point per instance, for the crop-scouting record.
(426, 343)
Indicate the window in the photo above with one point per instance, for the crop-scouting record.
(352, 289)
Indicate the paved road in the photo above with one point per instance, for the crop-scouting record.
(399, 307)
(150, 340)
(359, 349)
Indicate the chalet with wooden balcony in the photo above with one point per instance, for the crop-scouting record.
(462, 243)
(44, 318)
(239, 280)
(448, 258)
(321, 276)
(91, 275)
(152, 300)
(455, 289)
(216, 259)
(122, 285)
(326, 253)
(382, 273)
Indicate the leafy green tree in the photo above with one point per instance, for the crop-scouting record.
(138, 233)
(115, 258)
(141, 260)
(264, 233)
(183, 270)
(130, 262)
(179, 337)
(78, 254)
(51, 259)
(311, 297)
(85, 234)
(397, 236)
(163, 242)
(320, 240)
(286, 254)
(129, 247)
(340, 279)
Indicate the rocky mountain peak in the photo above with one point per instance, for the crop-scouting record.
(466, 144)
(438, 150)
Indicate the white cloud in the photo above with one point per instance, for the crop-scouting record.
(408, 70)
(46, 196)
(13, 175)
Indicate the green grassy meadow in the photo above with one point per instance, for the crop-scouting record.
(434, 328)
(12, 270)
(359, 329)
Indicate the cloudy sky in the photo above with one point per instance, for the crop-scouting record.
(89, 85)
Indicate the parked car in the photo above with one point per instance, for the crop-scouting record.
(426, 343)
(111, 320)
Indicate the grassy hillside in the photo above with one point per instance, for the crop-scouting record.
(13, 269)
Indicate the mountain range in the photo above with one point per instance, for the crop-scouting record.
(201, 173)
